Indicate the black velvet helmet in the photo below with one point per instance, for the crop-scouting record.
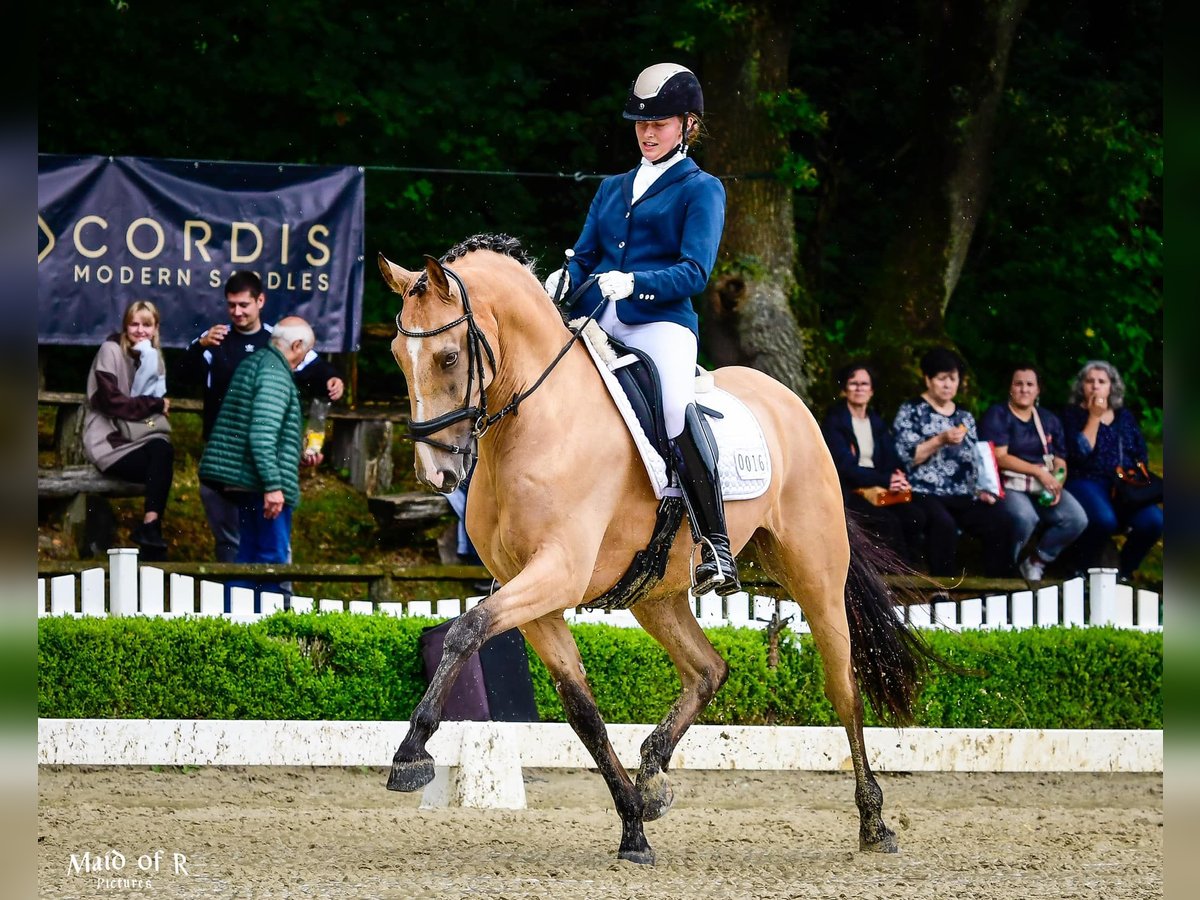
(662, 91)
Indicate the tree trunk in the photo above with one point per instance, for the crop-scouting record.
(967, 52)
(748, 311)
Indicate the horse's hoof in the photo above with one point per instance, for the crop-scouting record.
(657, 795)
(410, 774)
(641, 857)
(883, 843)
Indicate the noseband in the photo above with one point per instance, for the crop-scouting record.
(477, 348)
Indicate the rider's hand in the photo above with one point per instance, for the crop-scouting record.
(615, 285)
(551, 283)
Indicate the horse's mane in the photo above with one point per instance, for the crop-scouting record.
(504, 244)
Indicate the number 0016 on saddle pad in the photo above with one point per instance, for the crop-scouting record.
(744, 463)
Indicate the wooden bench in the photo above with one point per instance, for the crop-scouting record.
(77, 498)
(360, 443)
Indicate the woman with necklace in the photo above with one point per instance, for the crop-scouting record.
(865, 456)
(935, 440)
(1031, 453)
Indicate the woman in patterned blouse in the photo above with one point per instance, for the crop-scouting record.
(1102, 434)
(935, 440)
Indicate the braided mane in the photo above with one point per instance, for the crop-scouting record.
(503, 244)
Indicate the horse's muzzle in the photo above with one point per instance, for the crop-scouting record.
(446, 479)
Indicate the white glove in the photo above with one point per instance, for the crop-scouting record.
(551, 283)
(615, 285)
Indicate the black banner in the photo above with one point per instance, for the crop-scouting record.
(112, 230)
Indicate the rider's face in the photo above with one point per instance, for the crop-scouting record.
(659, 137)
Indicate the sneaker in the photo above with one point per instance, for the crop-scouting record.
(1032, 568)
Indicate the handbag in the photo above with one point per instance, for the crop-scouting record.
(880, 496)
(1135, 486)
(987, 473)
(135, 430)
(1028, 484)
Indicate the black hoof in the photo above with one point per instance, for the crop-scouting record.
(410, 774)
(657, 795)
(641, 857)
(879, 843)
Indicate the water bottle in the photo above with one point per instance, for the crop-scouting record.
(1046, 497)
(314, 436)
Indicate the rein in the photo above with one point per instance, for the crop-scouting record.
(477, 348)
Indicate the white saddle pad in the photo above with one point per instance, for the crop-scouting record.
(745, 462)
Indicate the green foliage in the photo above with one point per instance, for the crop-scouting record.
(1075, 678)
(793, 112)
(1065, 265)
(1068, 263)
(343, 666)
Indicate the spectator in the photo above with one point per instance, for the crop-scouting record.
(212, 359)
(253, 454)
(1031, 453)
(128, 436)
(1102, 434)
(865, 456)
(935, 440)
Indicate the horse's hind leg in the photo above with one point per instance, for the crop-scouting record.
(552, 641)
(702, 671)
(811, 572)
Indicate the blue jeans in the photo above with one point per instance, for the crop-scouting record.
(1065, 521)
(1105, 519)
(262, 540)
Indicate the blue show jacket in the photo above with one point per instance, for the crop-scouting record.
(668, 241)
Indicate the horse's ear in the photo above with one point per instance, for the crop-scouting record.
(437, 276)
(398, 279)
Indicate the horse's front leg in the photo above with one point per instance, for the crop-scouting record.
(521, 600)
(552, 641)
(412, 766)
(702, 671)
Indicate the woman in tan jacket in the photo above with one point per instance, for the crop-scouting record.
(127, 436)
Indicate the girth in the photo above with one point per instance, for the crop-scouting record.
(649, 565)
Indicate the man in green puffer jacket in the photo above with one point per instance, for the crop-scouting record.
(253, 453)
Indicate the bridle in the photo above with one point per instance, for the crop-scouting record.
(477, 349)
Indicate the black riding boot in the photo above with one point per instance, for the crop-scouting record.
(696, 463)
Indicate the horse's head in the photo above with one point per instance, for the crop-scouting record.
(447, 362)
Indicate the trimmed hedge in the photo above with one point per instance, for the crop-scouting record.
(345, 666)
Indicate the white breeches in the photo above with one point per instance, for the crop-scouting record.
(673, 349)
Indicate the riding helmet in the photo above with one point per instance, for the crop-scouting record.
(662, 91)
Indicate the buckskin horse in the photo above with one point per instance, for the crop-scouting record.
(560, 503)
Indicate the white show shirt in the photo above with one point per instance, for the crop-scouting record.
(649, 172)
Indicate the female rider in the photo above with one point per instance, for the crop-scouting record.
(651, 235)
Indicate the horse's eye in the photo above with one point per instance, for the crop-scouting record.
(449, 360)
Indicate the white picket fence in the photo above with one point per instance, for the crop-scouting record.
(131, 589)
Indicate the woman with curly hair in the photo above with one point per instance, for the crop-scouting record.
(1103, 435)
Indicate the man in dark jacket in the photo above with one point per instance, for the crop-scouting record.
(253, 453)
(212, 359)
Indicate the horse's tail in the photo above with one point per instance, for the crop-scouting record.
(890, 659)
